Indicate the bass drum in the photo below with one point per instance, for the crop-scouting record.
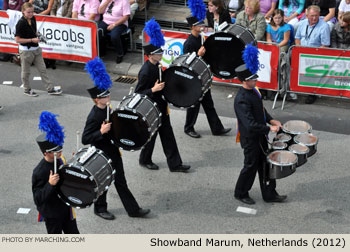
(224, 49)
(135, 121)
(187, 79)
(85, 177)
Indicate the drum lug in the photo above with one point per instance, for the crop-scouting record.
(190, 68)
(106, 188)
(109, 161)
(199, 77)
(82, 169)
(91, 178)
(113, 172)
(144, 119)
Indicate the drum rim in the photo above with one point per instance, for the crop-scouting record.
(284, 145)
(297, 152)
(297, 140)
(284, 140)
(279, 164)
(296, 132)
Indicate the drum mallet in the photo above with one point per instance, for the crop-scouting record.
(55, 162)
(78, 132)
(202, 35)
(160, 72)
(131, 90)
(107, 120)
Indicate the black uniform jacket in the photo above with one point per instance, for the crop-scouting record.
(192, 44)
(148, 75)
(250, 114)
(223, 16)
(45, 195)
(92, 134)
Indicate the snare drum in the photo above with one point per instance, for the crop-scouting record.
(296, 127)
(86, 176)
(135, 121)
(301, 151)
(224, 49)
(309, 140)
(282, 163)
(187, 79)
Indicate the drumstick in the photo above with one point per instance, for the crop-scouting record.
(78, 140)
(202, 35)
(107, 112)
(160, 72)
(55, 162)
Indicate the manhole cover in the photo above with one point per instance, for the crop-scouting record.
(126, 79)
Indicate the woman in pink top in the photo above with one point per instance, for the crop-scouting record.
(115, 21)
(86, 9)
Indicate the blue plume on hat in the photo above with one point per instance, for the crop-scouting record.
(251, 58)
(152, 28)
(198, 9)
(98, 74)
(49, 125)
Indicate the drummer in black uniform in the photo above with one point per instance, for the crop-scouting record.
(57, 215)
(193, 44)
(252, 119)
(96, 133)
(150, 85)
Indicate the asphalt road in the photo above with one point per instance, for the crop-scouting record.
(200, 201)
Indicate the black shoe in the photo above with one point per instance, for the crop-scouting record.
(150, 166)
(277, 198)
(193, 134)
(119, 59)
(140, 213)
(246, 200)
(222, 132)
(105, 215)
(310, 99)
(180, 168)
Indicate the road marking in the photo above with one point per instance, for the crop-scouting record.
(37, 78)
(246, 210)
(23, 210)
(7, 82)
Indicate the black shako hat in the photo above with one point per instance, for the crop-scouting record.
(152, 49)
(193, 21)
(47, 146)
(244, 74)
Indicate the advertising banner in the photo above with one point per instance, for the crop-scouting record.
(268, 57)
(320, 71)
(67, 39)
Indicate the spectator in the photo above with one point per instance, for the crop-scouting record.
(62, 8)
(327, 10)
(115, 20)
(344, 6)
(217, 14)
(30, 52)
(340, 36)
(43, 7)
(292, 9)
(234, 7)
(86, 9)
(12, 4)
(267, 7)
(313, 31)
(252, 19)
(278, 31)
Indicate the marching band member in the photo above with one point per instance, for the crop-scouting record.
(151, 85)
(194, 44)
(96, 133)
(252, 133)
(57, 215)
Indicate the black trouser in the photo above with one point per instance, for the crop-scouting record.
(59, 225)
(208, 106)
(168, 140)
(130, 204)
(115, 34)
(254, 161)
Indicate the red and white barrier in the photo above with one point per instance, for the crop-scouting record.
(67, 39)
